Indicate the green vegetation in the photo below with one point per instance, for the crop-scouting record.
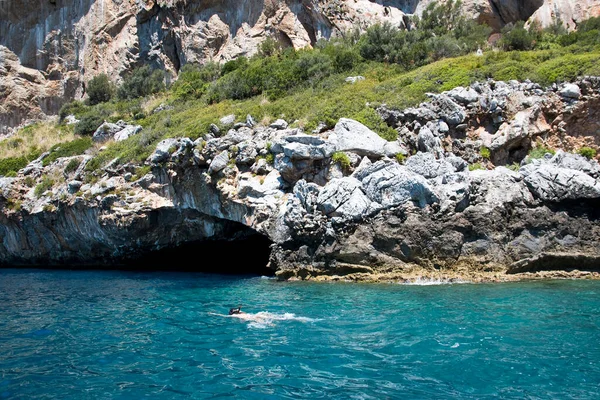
(308, 86)
(539, 152)
(587, 152)
(45, 184)
(475, 166)
(401, 158)
(485, 153)
(73, 148)
(99, 90)
(141, 82)
(341, 158)
(72, 166)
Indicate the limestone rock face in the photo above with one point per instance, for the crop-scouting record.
(68, 42)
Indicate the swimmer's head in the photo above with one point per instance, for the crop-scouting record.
(237, 310)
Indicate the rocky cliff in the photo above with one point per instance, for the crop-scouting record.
(439, 201)
(69, 41)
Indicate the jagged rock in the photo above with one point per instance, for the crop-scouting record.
(305, 139)
(163, 151)
(427, 142)
(458, 163)
(353, 136)
(119, 131)
(214, 129)
(71, 120)
(227, 120)
(250, 121)
(74, 186)
(390, 184)
(261, 167)
(127, 132)
(576, 162)
(425, 164)
(448, 110)
(280, 124)
(307, 193)
(570, 91)
(253, 187)
(498, 188)
(298, 151)
(219, 162)
(344, 198)
(551, 183)
(464, 95)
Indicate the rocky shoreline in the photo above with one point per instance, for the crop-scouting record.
(455, 197)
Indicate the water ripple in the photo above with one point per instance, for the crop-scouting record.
(112, 335)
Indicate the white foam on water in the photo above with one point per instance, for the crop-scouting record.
(264, 319)
(432, 282)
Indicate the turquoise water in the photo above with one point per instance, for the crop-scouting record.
(127, 335)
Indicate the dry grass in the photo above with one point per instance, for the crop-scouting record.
(34, 138)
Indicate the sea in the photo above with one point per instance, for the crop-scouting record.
(159, 335)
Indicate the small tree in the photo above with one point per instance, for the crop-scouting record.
(141, 82)
(99, 90)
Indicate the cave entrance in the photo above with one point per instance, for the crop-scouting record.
(245, 254)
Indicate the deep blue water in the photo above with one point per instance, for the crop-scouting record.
(127, 335)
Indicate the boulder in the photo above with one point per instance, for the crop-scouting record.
(280, 124)
(163, 150)
(427, 142)
(344, 198)
(576, 162)
(307, 193)
(227, 120)
(305, 139)
(127, 132)
(350, 135)
(390, 184)
(464, 95)
(425, 164)
(552, 183)
(219, 162)
(497, 188)
(299, 151)
(354, 79)
(570, 91)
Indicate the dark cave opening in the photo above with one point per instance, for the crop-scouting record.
(248, 255)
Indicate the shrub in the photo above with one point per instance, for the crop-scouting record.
(99, 90)
(476, 166)
(88, 124)
(516, 37)
(141, 82)
(12, 164)
(401, 158)
(72, 166)
(339, 157)
(587, 152)
(193, 80)
(74, 107)
(74, 148)
(485, 153)
(233, 65)
(539, 152)
(45, 184)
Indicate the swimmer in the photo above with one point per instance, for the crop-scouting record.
(237, 310)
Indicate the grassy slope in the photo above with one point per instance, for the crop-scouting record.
(326, 102)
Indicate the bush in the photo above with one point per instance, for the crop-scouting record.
(540, 151)
(74, 148)
(88, 124)
(516, 37)
(233, 65)
(587, 152)
(141, 82)
(99, 90)
(72, 166)
(401, 158)
(74, 107)
(339, 157)
(475, 167)
(193, 80)
(43, 186)
(12, 164)
(485, 153)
